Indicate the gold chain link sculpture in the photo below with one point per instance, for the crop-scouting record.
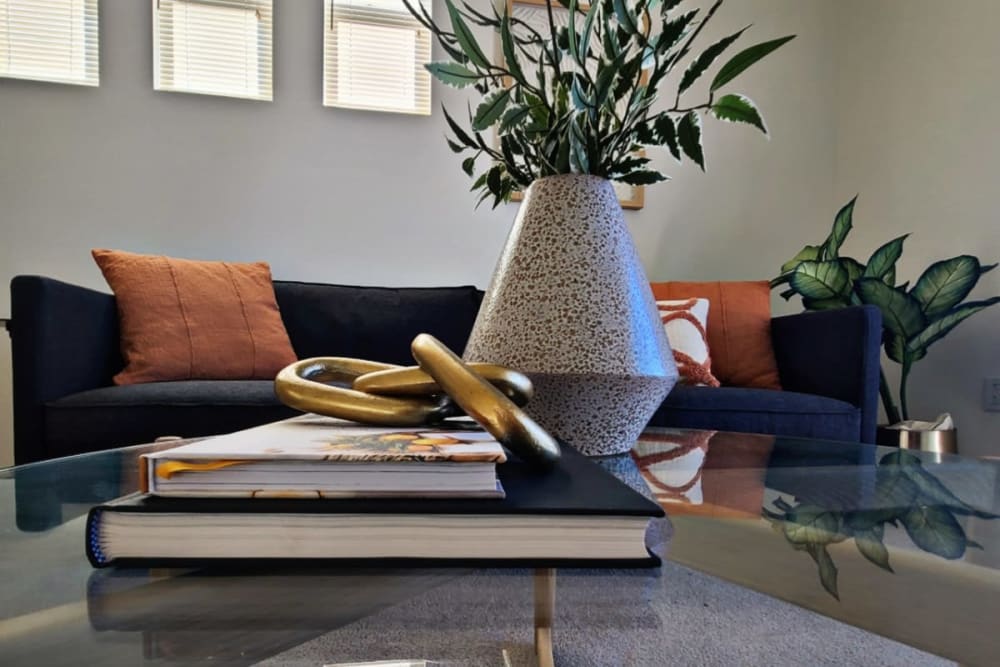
(439, 387)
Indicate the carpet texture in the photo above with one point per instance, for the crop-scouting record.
(671, 616)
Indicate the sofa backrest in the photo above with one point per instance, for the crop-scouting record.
(376, 323)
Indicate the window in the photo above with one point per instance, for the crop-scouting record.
(213, 47)
(49, 40)
(374, 54)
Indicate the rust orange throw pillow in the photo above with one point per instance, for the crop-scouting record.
(739, 329)
(183, 319)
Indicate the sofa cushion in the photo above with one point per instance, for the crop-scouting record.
(183, 319)
(132, 414)
(759, 411)
(739, 329)
(376, 323)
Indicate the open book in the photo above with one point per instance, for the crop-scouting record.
(322, 457)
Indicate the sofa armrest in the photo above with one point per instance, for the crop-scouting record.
(64, 339)
(833, 353)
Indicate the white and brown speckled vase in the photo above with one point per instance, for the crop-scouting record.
(570, 306)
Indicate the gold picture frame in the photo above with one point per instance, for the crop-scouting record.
(629, 196)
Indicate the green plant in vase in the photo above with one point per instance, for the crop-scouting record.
(913, 317)
(579, 92)
(584, 101)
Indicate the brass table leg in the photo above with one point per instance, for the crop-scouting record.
(545, 609)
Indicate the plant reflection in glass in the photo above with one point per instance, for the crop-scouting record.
(906, 495)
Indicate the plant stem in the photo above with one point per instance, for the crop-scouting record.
(902, 387)
(891, 411)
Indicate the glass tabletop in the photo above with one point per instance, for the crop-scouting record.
(900, 544)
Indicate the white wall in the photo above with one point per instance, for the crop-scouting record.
(354, 197)
(918, 139)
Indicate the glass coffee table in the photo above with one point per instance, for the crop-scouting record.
(885, 556)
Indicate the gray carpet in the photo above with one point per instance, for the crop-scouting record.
(636, 618)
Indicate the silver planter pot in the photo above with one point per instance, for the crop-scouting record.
(937, 442)
(569, 305)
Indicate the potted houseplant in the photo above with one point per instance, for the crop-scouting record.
(914, 317)
(568, 108)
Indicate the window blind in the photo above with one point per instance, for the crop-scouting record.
(50, 40)
(213, 47)
(374, 54)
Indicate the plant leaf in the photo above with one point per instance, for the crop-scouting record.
(827, 568)
(460, 134)
(513, 117)
(490, 110)
(588, 29)
(882, 263)
(738, 109)
(820, 280)
(666, 131)
(642, 177)
(468, 164)
(944, 284)
(572, 46)
(626, 17)
(870, 545)
(689, 138)
(465, 37)
(509, 52)
(452, 74)
(809, 253)
(745, 59)
(705, 60)
(940, 327)
(811, 524)
(934, 529)
(842, 224)
(901, 313)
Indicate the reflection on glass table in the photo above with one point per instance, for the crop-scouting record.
(748, 509)
(899, 543)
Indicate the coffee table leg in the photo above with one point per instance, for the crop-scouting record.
(545, 609)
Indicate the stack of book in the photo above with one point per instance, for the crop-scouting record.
(319, 488)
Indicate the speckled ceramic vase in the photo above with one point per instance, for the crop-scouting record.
(570, 306)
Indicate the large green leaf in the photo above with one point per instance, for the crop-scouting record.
(745, 59)
(811, 524)
(944, 284)
(643, 177)
(820, 280)
(882, 263)
(705, 60)
(935, 529)
(509, 52)
(460, 134)
(588, 29)
(491, 108)
(689, 138)
(894, 490)
(807, 254)
(465, 37)
(666, 131)
(901, 313)
(627, 19)
(841, 228)
(870, 545)
(452, 74)
(827, 568)
(513, 117)
(940, 327)
(738, 109)
(572, 44)
(897, 349)
(854, 268)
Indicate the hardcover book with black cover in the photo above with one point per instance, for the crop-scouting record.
(575, 515)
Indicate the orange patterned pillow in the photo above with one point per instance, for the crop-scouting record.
(685, 323)
(739, 329)
(185, 320)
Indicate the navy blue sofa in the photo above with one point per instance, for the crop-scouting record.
(65, 350)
